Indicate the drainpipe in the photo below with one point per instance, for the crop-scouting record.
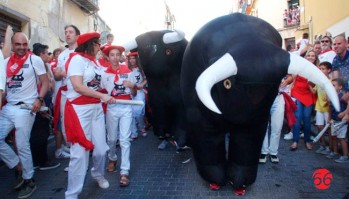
(311, 30)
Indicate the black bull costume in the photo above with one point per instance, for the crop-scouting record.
(229, 77)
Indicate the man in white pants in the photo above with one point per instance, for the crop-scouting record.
(271, 143)
(22, 70)
(71, 35)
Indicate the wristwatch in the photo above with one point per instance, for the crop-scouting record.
(41, 99)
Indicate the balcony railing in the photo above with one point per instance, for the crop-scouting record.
(89, 6)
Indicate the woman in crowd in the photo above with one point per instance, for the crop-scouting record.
(138, 124)
(84, 118)
(305, 99)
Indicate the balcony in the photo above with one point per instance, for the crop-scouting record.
(89, 6)
(291, 17)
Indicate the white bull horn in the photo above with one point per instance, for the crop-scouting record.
(218, 71)
(132, 44)
(302, 67)
(173, 37)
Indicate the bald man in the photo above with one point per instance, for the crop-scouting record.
(22, 70)
(340, 67)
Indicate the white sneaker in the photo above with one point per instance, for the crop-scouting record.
(342, 159)
(63, 154)
(288, 136)
(103, 183)
(327, 151)
(320, 150)
(66, 169)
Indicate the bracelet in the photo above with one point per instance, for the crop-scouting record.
(41, 99)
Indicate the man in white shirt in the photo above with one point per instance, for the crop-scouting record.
(71, 35)
(326, 54)
(22, 71)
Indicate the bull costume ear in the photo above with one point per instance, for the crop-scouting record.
(173, 37)
(302, 67)
(221, 69)
(132, 44)
(170, 37)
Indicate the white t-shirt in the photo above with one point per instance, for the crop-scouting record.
(327, 56)
(61, 60)
(136, 72)
(116, 88)
(2, 72)
(22, 87)
(91, 73)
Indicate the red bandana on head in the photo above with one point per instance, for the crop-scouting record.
(15, 64)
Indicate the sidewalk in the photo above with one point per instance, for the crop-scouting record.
(161, 174)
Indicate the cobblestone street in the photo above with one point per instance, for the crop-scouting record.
(161, 174)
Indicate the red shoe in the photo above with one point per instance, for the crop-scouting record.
(214, 186)
(240, 191)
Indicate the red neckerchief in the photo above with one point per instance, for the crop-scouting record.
(325, 51)
(121, 70)
(15, 64)
(71, 55)
(112, 71)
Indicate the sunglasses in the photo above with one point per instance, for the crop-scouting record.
(96, 42)
(323, 41)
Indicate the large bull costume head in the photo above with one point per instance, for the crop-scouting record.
(231, 72)
(160, 54)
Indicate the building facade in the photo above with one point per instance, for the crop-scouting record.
(44, 21)
(292, 18)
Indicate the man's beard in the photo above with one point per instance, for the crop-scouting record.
(323, 48)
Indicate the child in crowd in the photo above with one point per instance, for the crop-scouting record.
(322, 108)
(339, 131)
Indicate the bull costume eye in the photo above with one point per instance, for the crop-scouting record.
(168, 51)
(227, 84)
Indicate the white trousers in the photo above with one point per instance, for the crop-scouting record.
(12, 116)
(138, 113)
(271, 145)
(92, 121)
(63, 100)
(118, 121)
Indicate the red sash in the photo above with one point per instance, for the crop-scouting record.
(290, 107)
(57, 108)
(15, 64)
(73, 129)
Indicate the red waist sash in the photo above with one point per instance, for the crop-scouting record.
(73, 129)
(57, 108)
